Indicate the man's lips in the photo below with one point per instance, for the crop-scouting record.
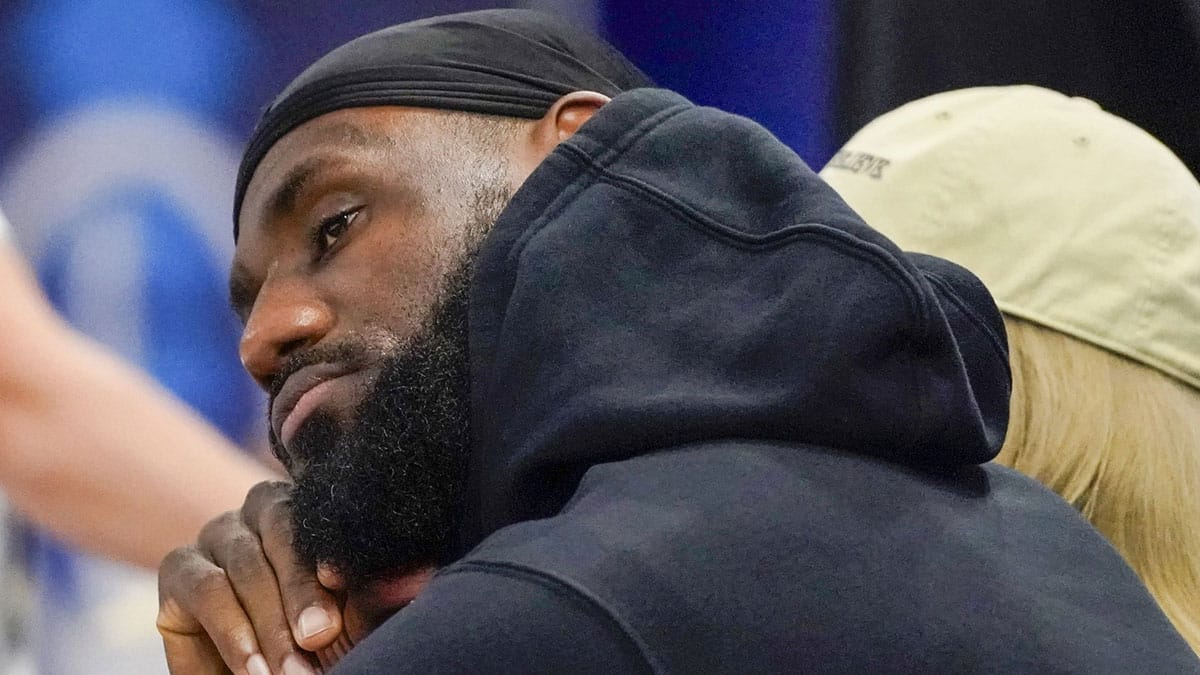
(300, 395)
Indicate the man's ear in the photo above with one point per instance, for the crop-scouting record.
(559, 123)
(565, 117)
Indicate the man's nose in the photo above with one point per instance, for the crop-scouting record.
(286, 317)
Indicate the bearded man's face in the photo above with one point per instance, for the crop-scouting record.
(377, 495)
(352, 275)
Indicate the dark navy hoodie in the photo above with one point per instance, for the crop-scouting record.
(722, 426)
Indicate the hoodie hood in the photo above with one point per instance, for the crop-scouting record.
(673, 274)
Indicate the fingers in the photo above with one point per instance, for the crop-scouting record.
(232, 547)
(330, 578)
(311, 610)
(329, 656)
(192, 655)
(241, 601)
(201, 621)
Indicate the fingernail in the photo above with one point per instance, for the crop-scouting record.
(330, 578)
(257, 665)
(294, 664)
(312, 621)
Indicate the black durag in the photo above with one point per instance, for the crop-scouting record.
(507, 62)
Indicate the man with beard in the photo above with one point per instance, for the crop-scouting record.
(670, 407)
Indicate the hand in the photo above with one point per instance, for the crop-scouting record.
(29, 317)
(241, 601)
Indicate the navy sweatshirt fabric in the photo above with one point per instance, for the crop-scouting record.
(723, 426)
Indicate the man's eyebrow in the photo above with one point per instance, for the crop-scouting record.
(338, 134)
(284, 199)
(241, 291)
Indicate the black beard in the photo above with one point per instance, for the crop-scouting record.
(382, 496)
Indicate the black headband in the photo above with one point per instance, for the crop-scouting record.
(514, 63)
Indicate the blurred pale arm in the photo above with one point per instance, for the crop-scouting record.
(92, 449)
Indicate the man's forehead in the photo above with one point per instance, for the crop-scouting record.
(357, 128)
(340, 132)
(355, 135)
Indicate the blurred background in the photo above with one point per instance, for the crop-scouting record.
(122, 122)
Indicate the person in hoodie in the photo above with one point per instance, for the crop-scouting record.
(645, 393)
(1087, 230)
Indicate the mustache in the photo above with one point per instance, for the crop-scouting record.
(354, 351)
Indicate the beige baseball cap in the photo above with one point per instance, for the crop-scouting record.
(1074, 218)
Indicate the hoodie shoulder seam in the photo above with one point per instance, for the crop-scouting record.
(879, 258)
(558, 584)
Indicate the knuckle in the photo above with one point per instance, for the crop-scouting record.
(244, 557)
(175, 559)
(277, 517)
(208, 583)
(217, 529)
(175, 564)
(264, 498)
(266, 491)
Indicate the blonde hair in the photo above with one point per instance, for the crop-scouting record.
(1121, 442)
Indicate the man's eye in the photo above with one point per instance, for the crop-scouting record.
(332, 228)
